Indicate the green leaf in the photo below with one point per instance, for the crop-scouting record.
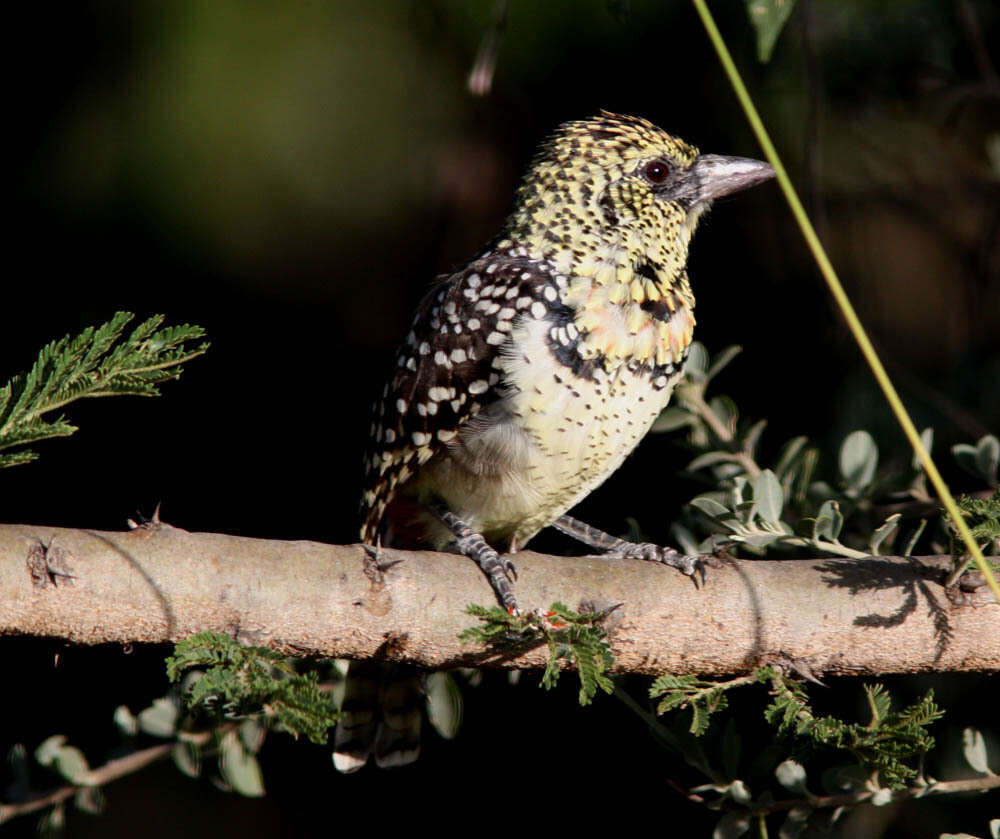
(768, 496)
(885, 530)
(249, 681)
(911, 543)
(988, 457)
(879, 703)
(670, 419)
(752, 436)
(709, 459)
(444, 704)
(187, 758)
(738, 792)
(160, 718)
(974, 750)
(881, 797)
(97, 362)
(126, 721)
(697, 362)
(577, 637)
(768, 18)
(858, 460)
(759, 540)
(239, 767)
(927, 439)
(709, 506)
(792, 776)
(829, 521)
(980, 460)
(67, 761)
(725, 409)
(995, 828)
(252, 734)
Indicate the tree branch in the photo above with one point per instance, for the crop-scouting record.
(157, 583)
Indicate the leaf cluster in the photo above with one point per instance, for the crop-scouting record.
(237, 681)
(983, 517)
(789, 504)
(577, 638)
(882, 745)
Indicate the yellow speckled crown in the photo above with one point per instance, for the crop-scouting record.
(585, 209)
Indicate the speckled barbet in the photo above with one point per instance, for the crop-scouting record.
(530, 374)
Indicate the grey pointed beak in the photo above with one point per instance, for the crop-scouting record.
(714, 175)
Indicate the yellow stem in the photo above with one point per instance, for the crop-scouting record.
(837, 290)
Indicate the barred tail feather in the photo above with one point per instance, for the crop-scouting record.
(354, 739)
(380, 715)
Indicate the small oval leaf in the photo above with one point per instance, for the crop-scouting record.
(239, 767)
(160, 718)
(768, 18)
(829, 521)
(709, 506)
(792, 776)
(974, 749)
(444, 704)
(768, 496)
(927, 439)
(126, 721)
(988, 457)
(697, 362)
(670, 419)
(881, 797)
(739, 792)
(187, 758)
(858, 459)
(708, 459)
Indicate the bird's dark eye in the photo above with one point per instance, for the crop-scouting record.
(656, 172)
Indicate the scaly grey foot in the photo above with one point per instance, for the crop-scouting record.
(498, 569)
(622, 549)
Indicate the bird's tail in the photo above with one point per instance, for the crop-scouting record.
(380, 716)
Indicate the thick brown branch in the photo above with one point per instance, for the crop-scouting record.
(157, 583)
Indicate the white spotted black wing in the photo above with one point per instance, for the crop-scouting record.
(445, 371)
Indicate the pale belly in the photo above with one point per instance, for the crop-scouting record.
(544, 447)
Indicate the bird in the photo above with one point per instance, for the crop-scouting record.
(530, 374)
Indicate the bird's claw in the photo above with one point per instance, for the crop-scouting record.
(509, 568)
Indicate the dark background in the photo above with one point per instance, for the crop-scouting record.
(291, 177)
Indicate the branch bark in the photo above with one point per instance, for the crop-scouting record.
(158, 583)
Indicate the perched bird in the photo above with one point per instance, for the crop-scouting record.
(529, 375)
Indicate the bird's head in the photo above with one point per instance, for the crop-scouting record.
(612, 195)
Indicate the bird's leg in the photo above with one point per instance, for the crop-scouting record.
(620, 548)
(472, 544)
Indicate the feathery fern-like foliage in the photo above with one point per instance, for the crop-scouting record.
(97, 362)
(575, 637)
(244, 681)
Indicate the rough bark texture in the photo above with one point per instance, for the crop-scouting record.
(158, 583)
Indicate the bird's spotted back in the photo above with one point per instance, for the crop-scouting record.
(449, 367)
(532, 372)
